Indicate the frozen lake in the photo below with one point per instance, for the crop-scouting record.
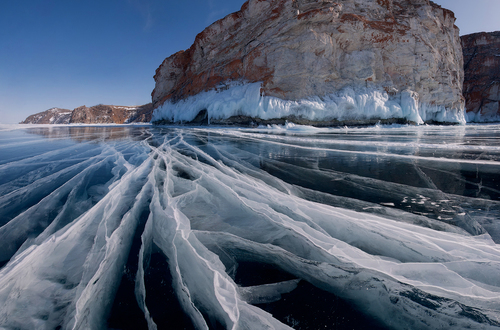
(137, 227)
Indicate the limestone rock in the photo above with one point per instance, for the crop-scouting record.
(51, 116)
(482, 76)
(302, 49)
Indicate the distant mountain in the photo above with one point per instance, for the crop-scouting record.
(98, 114)
(51, 116)
(111, 114)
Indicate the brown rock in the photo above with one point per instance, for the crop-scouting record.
(482, 75)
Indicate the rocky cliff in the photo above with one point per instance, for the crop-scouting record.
(482, 76)
(99, 114)
(318, 62)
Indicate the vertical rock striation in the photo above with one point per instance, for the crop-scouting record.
(365, 58)
(482, 76)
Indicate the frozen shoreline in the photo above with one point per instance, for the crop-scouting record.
(351, 105)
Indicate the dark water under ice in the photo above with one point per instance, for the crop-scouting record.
(137, 227)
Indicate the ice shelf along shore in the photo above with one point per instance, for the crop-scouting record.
(275, 227)
(350, 104)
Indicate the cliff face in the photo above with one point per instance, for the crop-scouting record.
(99, 114)
(482, 76)
(51, 116)
(298, 49)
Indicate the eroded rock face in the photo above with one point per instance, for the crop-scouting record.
(299, 49)
(482, 76)
(99, 114)
(51, 116)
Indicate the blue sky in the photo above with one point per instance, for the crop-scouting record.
(67, 53)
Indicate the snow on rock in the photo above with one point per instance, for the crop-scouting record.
(318, 61)
(482, 76)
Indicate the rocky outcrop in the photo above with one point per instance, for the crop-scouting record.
(51, 116)
(391, 53)
(99, 114)
(482, 76)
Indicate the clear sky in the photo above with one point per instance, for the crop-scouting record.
(68, 53)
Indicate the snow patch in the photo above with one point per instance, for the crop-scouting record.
(127, 108)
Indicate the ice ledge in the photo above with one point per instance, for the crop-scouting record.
(242, 103)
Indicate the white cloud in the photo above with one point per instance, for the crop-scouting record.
(145, 11)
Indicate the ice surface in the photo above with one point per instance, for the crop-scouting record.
(245, 99)
(401, 223)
